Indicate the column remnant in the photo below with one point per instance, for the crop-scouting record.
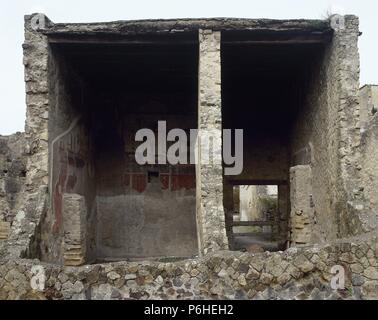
(210, 213)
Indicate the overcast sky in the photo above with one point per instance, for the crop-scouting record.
(12, 95)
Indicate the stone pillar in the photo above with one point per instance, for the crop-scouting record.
(283, 210)
(228, 205)
(74, 222)
(33, 206)
(353, 216)
(4, 206)
(302, 213)
(36, 54)
(210, 214)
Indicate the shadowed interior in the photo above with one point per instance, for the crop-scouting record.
(113, 89)
(268, 80)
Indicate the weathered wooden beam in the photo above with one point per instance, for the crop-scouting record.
(254, 234)
(96, 41)
(252, 223)
(278, 42)
(237, 182)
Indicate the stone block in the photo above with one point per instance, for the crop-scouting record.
(302, 212)
(74, 221)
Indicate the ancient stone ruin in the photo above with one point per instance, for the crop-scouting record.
(80, 219)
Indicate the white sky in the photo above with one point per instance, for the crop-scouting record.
(12, 95)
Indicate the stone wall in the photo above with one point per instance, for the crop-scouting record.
(369, 164)
(304, 273)
(302, 219)
(368, 104)
(353, 216)
(329, 129)
(257, 204)
(24, 236)
(12, 180)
